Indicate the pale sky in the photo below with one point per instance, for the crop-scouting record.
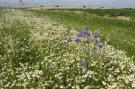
(74, 3)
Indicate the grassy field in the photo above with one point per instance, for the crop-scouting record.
(120, 32)
(66, 49)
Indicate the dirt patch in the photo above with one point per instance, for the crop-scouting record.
(123, 18)
(78, 12)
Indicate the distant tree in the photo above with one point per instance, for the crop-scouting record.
(57, 6)
(84, 6)
(20, 1)
(41, 6)
(101, 7)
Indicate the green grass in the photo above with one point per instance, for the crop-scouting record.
(108, 12)
(120, 32)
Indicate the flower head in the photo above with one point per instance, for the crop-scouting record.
(96, 38)
(84, 33)
(77, 40)
(81, 34)
(100, 45)
(87, 42)
(68, 40)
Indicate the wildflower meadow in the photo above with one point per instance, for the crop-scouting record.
(54, 49)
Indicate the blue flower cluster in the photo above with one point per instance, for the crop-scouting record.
(86, 34)
(83, 33)
(97, 41)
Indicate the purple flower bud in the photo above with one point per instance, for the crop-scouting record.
(68, 40)
(100, 45)
(87, 42)
(77, 40)
(81, 34)
(86, 33)
(96, 38)
(97, 41)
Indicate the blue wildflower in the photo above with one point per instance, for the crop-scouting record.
(68, 39)
(96, 38)
(97, 41)
(100, 45)
(81, 34)
(84, 33)
(77, 40)
(87, 42)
